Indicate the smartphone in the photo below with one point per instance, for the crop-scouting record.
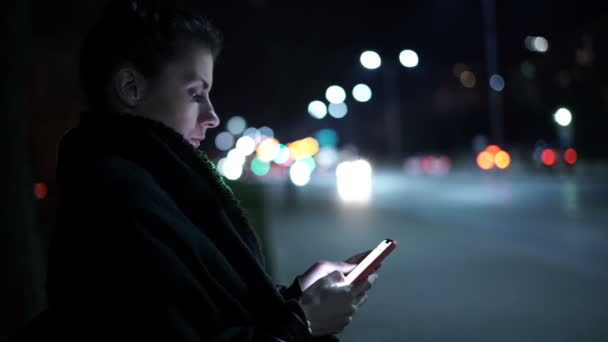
(370, 263)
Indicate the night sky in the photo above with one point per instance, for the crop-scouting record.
(280, 55)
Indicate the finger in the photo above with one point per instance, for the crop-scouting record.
(364, 286)
(357, 258)
(362, 299)
(337, 325)
(334, 277)
(344, 267)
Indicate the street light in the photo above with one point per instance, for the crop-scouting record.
(408, 58)
(362, 93)
(370, 60)
(317, 109)
(335, 94)
(563, 117)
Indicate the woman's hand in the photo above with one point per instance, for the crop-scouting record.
(323, 268)
(330, 308)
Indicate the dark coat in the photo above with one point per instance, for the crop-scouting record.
(151, 244)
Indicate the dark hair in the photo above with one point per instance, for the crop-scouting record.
(143, 33)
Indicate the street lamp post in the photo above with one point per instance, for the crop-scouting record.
(392, 102)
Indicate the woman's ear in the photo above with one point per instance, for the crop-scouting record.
(129, 87)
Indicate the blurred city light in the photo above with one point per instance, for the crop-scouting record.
(338, 110)
(236, 125)
(41, 190)
(467, 78)
(502, 160)
(283, 156)
(459, 68)
(299, 173)
(563, 117)
(497, 83)
(327, 137)
(259, 167)
(254, 133)
(220, 165)
(354, 181)
(268, 149)
(310, 161)
(266, 131)
(493, 149)
(232, 169)
(327, 157)
(570, 156)
(237, 156)
(317, 109)
(335, 94)
(370, 60)
(485, 160)
(245, 145)
(224, 141)
(549, 157)
(362, 93)
(536, 44)
(541, 44)
(408, 58)
(307, 147)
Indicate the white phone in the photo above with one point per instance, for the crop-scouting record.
(370, 262)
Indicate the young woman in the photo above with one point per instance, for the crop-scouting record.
(150, 243)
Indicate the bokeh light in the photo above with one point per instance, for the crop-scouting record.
(245, 145)
(41, 190)
(284, 155)
(370, 60)
(327, 157)
(468, 79)
(317, 109)
(266, 132)
(502, 160)
(570, 156)
(236, 156)
(335, 94)
(253, 133)
(338, 110)
(307, 147)
(408, 58)
(299, 173)
(485, 160)
(497, 83)
(563, 117)
(224, 141)
(259, 167)
(548, 157)
(354, 181)
(236, 125)
(268, 149)
(362, 92)
(327, 137)
(230, 168)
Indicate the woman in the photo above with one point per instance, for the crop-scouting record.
(151, 244)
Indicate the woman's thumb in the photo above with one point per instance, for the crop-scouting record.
(335, 277)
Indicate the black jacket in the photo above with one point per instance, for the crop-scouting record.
(151, 245)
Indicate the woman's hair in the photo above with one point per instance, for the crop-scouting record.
(145, 34)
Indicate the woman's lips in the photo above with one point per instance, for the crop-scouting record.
(196, 142)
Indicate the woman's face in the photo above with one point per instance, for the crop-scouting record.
(179, 97)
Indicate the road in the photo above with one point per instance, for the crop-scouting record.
(481, 256)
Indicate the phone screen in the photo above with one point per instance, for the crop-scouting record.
(365, 263)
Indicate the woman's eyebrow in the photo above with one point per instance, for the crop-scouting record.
(194, 77)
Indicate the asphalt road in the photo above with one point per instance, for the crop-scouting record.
(481, 257)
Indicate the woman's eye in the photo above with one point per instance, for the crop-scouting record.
(197, 97)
